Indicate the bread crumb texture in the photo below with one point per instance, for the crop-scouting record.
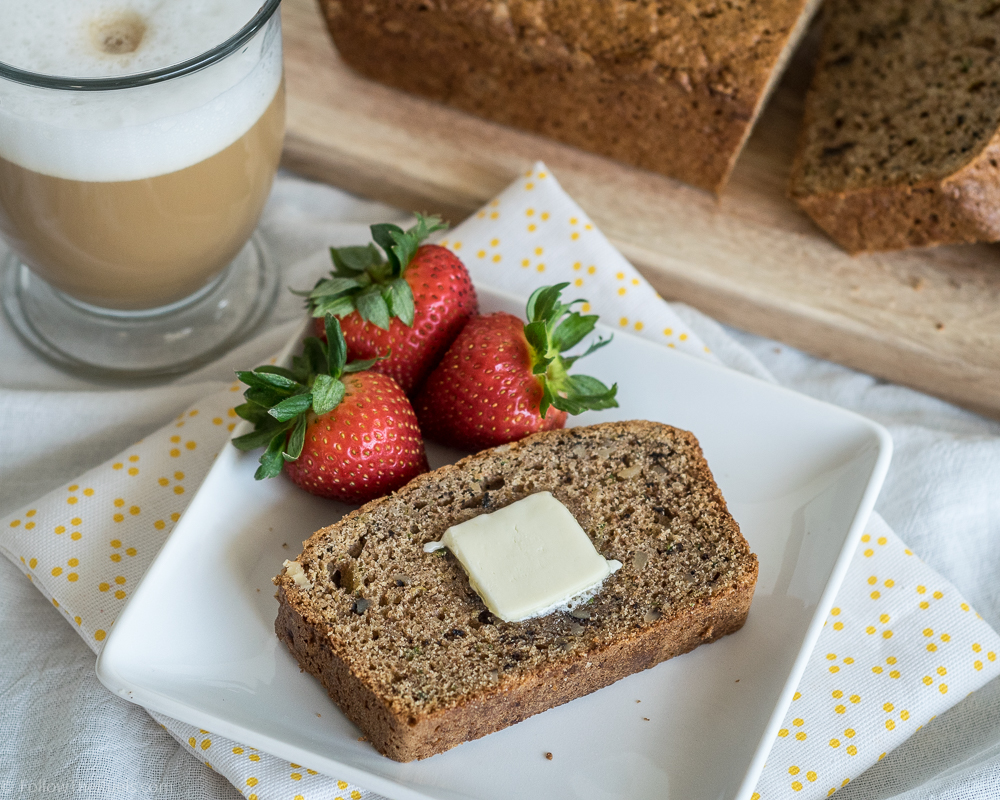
(397, 634)
(668, 85)
(899, 144)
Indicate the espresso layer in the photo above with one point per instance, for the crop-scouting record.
(144, 243)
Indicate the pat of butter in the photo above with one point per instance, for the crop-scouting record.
(528, 558)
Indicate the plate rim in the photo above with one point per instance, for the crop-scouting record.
(158, 702)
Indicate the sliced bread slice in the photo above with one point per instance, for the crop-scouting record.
(411, 654)
(901, 139)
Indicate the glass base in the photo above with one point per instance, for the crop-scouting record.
(106, 343)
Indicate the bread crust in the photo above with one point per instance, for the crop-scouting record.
(960, 209)
(404, 732)
(900, 141)
(672, 87)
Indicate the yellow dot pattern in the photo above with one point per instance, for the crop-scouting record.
(537, 234)
(899, 647)
(264, 774)
(88, 543)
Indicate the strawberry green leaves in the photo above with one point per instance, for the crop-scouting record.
(554, 327)
(278, 400)
(355, 260)
(373, 306)
(400, 301)
(400, 246)
(327, 392)
(364, 281)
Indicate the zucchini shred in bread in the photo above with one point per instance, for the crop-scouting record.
(901, 139)
(667, 85)
(411, 654)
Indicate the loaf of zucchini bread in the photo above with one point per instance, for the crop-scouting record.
(672, 86)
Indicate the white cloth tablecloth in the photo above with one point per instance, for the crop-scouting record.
(63, 735)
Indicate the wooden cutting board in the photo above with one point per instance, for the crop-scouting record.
(925, 318)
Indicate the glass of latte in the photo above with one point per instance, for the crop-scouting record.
(138, 143)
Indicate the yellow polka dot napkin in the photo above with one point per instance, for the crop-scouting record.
(533, 233)
(900, 645)
(257, 774)
(86, 545)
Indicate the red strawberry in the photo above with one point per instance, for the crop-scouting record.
(339, 429)
(368, 446)
(502, 380)
(411, 306)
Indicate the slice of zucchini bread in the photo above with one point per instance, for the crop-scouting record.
(672, 86)
(411, 654)
(901, 139)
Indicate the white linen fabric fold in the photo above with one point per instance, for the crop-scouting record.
(62, 734)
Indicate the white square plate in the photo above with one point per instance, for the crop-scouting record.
(196, 640)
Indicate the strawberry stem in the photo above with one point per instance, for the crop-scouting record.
(554, 327)
(278, 400)
(363, 281)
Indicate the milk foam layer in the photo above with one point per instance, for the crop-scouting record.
(141, 132)
(62, 37)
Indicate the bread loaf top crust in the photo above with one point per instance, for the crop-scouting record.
(414, 632)
(732, 44)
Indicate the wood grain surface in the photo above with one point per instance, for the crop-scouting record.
(926, 318)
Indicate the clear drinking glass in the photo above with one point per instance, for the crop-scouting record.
(129, 205)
